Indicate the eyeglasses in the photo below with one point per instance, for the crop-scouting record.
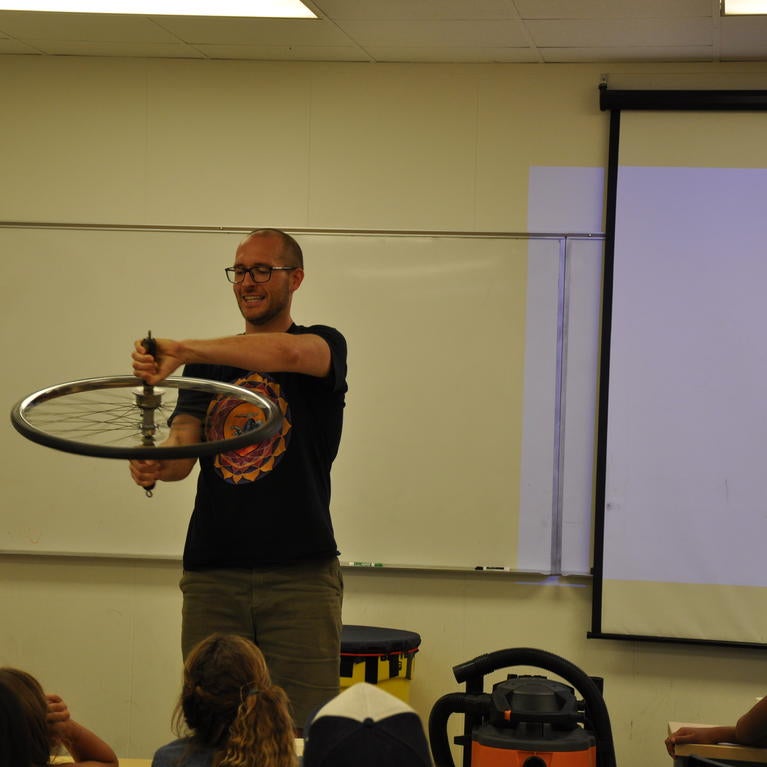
(236, 274)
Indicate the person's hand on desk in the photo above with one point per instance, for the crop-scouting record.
(699, 735)
(750, 730)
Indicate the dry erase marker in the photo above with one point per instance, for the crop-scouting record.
(365, 564)
(493, 569)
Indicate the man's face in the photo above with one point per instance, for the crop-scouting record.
(261, 303)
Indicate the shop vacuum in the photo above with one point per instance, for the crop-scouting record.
(525, 721)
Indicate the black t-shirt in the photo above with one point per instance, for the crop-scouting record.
(269, 503)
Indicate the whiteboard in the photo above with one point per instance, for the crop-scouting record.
(448, 360)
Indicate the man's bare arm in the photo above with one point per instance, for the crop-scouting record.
(266, 352)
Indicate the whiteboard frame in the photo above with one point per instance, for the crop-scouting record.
(563, 450)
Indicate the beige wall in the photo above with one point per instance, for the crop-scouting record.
(222, 143)
(105, 635)
(191, 143)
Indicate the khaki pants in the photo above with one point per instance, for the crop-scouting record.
(293, 613)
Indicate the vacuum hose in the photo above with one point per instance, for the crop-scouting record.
(474, 702)
(453, 703)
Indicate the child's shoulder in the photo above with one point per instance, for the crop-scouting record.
(182, 753)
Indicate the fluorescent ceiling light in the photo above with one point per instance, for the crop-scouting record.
(744, 7)
(254, 8)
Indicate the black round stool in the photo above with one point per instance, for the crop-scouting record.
(380, 656)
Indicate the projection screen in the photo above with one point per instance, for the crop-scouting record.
(681, 490)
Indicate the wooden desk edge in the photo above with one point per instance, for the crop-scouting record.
(123, 762)
(716, 750)
(126, 762)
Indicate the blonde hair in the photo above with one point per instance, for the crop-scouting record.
(228, 703)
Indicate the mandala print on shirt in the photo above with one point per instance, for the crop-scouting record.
(229, 416)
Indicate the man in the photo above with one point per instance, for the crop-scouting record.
(260, 558)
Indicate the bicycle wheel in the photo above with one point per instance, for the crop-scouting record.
(107, 417)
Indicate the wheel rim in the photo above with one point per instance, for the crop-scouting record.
(61, 431)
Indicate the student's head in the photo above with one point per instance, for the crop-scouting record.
(24, 738)
(228, 703)
(365, 725)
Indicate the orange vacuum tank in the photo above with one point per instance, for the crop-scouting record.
(524, 721)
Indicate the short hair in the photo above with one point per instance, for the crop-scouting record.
(291, 250)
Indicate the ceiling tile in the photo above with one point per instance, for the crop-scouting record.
(606, 9)
(626, 54)
(269, 32)
(165, 50)
(376, 10)
(283, 52)
(102, 27)
(482, 33)
(411, 30)
(10, 46)
(453, 54)
(599, 33)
